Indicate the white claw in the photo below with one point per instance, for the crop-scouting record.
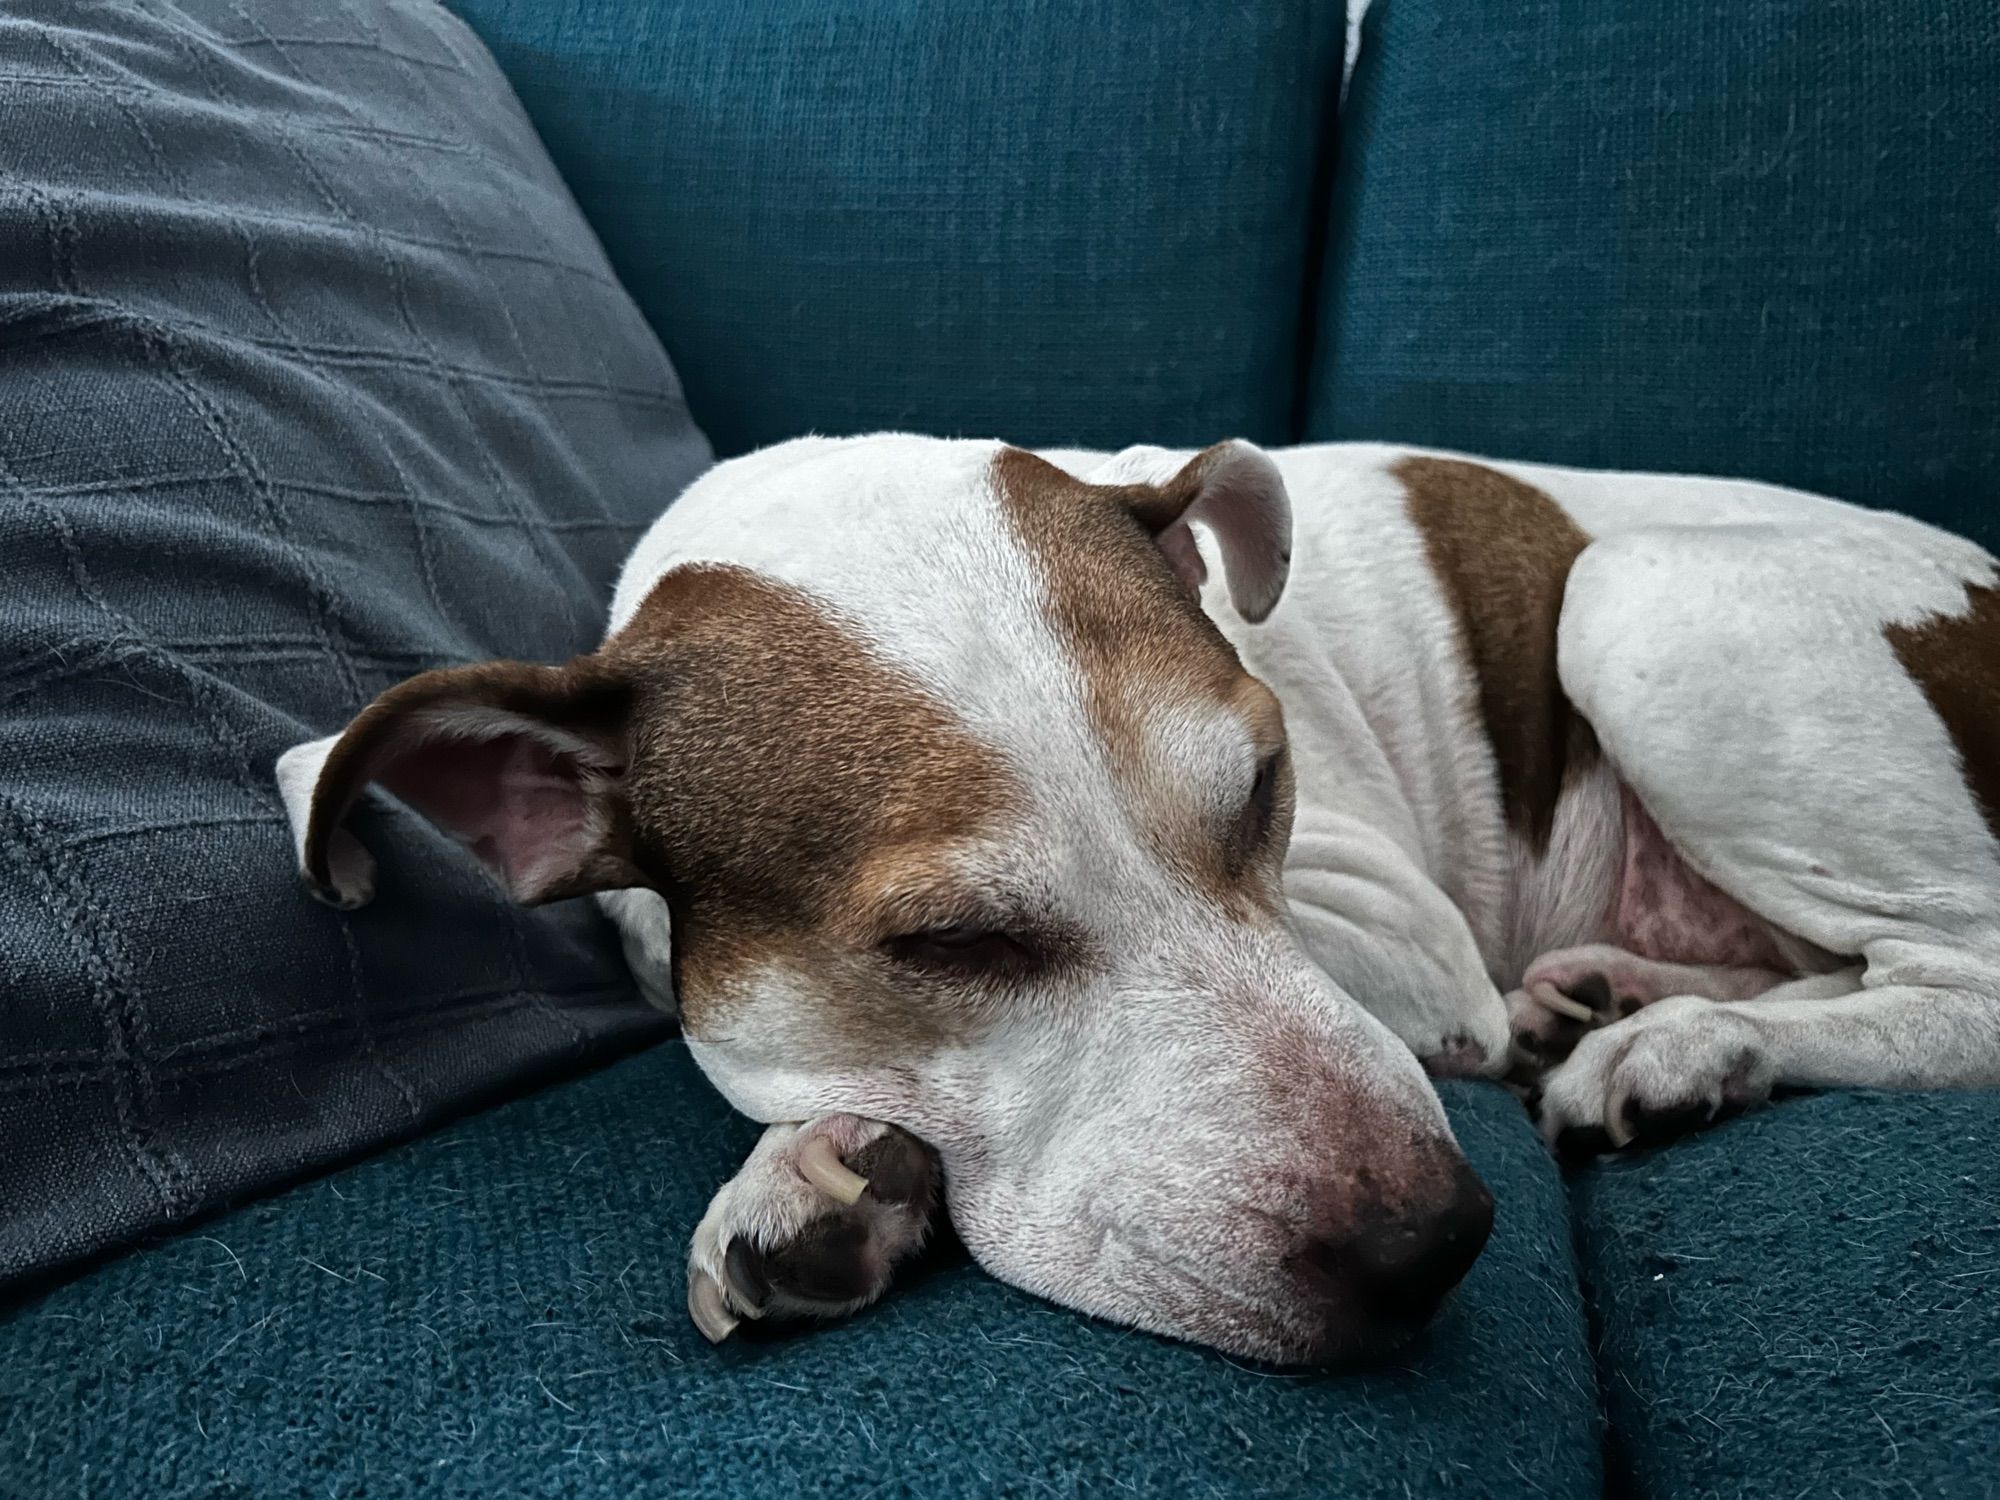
(1614, 1117)
(1549, 997)
(707, 1308)
(821, 1165)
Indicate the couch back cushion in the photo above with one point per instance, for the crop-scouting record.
(312, 378)
(1754, 239)
(1057, 224)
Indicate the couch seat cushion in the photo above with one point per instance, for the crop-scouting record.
(1804, 1301)
(498, 1309)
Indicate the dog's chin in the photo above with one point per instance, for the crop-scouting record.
(1283, 1336)
(1241, 1315)
(1288, 1337)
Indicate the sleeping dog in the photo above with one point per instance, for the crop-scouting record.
(1135, 831)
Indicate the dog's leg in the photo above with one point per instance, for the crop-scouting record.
(1685, 1062)
(1744, 682)
(812, 1226)
(1575, 990)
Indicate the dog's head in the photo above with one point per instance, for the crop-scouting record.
(969, 819)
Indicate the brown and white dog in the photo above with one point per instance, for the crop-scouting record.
(966, 795)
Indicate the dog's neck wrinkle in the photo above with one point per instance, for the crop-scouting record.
(1374, 698)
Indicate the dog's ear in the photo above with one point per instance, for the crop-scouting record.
(520, 763)
(1235, 491)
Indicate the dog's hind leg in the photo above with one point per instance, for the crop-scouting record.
(1687, 1062)
(1747, 684)
(1575, 990)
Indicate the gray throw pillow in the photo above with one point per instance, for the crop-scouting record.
(311, 377)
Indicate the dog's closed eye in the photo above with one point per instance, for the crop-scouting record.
(964, 948)
(1254, 822)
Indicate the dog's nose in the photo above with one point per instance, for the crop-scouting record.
(1390, 1271)
(1406, 1264)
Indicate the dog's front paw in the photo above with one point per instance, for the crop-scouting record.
(812, 1226)
(1678, 1065)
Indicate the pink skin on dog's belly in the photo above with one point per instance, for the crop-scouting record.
(1667, 912)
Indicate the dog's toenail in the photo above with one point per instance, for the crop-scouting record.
(1549, 997)
(749, 1286)
(821, 1165)
(1618, 1118)
(706, 1307)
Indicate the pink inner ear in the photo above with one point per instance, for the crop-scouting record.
(514, 800)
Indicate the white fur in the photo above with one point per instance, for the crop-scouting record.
(298, 779)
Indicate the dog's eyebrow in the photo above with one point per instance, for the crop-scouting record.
(1262, 715)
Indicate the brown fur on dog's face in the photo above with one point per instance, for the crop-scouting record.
(969, 820)
(780, 772)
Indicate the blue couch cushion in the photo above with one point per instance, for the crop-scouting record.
(1754, 238)
(498, 1310)
(1059, 224)
(310, 377)
(1805, 1301)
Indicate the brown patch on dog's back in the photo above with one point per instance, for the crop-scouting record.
(773, 755)
(1955, 659)
(1140, 642)
(1503, 551)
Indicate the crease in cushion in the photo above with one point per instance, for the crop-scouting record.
(311, 377)
(1753, 239)
(500, 1309)
(1065, 226)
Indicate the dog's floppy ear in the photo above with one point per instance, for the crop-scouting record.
(520, 763)
(1235, 491)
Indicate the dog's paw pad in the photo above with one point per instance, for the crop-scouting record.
(812, 1226)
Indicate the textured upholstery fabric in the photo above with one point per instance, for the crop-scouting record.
(1753, 238)
(497, 1310)
(1048, 222)
(310, 377)
(1806, 1301)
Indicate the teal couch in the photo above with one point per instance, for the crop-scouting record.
(1753, 238)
